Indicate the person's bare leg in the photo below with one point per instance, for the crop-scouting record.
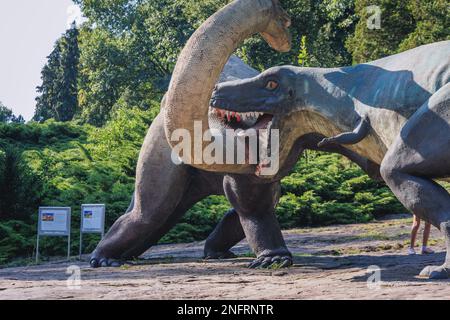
(414, 231)
(426, 237)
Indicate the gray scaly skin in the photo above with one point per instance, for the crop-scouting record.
(400, 106)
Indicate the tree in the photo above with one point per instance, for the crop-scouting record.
(5, 113)
(432, 23)
(58, 97)
(128, 52)
(404, 25)
(7, 116)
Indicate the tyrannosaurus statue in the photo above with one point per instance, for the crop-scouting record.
(400, 106)
(165, 191)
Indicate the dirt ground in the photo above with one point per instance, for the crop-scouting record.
(330, 263)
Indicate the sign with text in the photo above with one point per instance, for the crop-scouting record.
(54, 221)
(92, 218)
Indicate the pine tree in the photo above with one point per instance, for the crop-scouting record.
(58, 97)
(5, 113)
(7, 116)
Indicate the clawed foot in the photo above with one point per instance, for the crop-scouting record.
(267, 262)
(436, 272)
(104, 263)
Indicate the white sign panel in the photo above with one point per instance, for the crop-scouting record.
(54, 221)
(92, 218)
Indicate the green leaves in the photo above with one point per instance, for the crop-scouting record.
(328, 189)
(404, 25)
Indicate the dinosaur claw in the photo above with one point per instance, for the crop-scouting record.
(287, 262)
(267, 262)
(104, 263)
(94, 263)
(255, 264)
(277, 262)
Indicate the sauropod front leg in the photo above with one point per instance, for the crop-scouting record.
(419, 155)
(255, 204)
(160, 186)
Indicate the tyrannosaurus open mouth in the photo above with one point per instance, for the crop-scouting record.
(241, 121)
(246, 124)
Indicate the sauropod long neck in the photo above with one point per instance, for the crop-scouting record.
(204, 57)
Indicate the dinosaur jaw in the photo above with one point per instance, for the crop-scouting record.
(247, 124)
(241, 121)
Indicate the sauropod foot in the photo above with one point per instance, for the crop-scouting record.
(268, 262)
(436, 272)
(104, 263)
(219, 255)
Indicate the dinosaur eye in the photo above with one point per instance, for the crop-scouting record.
(271, 85)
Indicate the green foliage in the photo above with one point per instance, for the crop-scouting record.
(303, 54)
(58, 97)
(127, 59)
(328, 189)
(404, 25)
(16, 238)
(432, 19)
(65, 164)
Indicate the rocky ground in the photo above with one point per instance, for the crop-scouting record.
(330, 263)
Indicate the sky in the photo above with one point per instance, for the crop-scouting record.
(28, 31)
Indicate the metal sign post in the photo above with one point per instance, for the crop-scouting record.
(54, 222)
(92, 221)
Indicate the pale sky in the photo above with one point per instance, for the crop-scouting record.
(28, 31)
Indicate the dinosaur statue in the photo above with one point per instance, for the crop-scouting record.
(165, 191)
(399, 105)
